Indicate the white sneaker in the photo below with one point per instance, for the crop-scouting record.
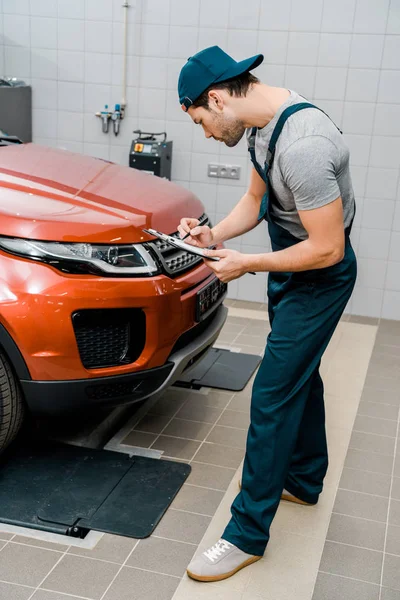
(219, 562)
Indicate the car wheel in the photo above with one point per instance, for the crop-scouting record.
(12, 406)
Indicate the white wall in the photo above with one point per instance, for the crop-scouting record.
(342, 54)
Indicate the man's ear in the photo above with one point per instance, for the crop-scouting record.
(215, 99)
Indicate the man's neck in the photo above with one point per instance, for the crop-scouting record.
(262, 103)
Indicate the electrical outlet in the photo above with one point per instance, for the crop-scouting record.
(224, 171)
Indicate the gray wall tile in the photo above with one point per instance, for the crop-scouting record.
(371, 16)
(334, 49)
(362, 85)
(358, 117)
(306, 15)
(393, 25)
(366, 51)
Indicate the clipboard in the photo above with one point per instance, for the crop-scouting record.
(178, 243)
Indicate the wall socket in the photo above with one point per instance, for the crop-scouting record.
(224, 171)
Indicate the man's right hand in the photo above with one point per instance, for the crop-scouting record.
(201, 237)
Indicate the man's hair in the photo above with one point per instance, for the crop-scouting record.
(238, 86)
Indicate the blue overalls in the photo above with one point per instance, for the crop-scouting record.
(286, 443)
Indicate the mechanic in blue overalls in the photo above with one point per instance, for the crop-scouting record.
(301, 186)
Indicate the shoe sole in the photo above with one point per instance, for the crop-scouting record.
(288, 498)
(210, 578)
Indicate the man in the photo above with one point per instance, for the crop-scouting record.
(301, 185)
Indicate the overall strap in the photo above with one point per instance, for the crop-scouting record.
(289, 111)
(252, 150)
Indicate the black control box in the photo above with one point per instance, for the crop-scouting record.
(151, 155)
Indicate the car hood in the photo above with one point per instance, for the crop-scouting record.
(50, 194)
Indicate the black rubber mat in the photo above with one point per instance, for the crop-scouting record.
(70, 490)
(221, 369)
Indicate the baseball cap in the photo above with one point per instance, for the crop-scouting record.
(209, 66)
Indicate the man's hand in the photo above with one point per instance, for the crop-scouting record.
(201, 237)
(232, 264)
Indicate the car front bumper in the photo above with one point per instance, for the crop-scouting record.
(54, 397)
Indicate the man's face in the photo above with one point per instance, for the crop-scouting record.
(222, 125)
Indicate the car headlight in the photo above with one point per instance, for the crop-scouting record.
(121, 260)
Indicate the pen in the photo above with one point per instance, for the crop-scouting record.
(203, 222)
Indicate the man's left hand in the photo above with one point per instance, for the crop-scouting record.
(232, 264)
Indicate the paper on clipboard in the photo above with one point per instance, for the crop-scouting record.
(178, 243)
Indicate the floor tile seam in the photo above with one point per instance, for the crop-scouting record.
(370, 389)
(160, 537)
(199, 462)
(171, 419)
(355, 546)
(30, 587)
(372, 472)
(204, 487)
(5, 544)
(377, 418)
(119, 570)
(49, 573)
(179, 577)
(397, 346)
(391, 379)
(190, 512)
(371, 451)
(335, 512)
(94, 558)
(389, 504)
(192, 421)
(210, 432)
(392, 553)
(201, 442)
(350, 578)
(38, 547)
(63, 594)
(391, 437)
(378, 403)
(231, 426)
(364, 493)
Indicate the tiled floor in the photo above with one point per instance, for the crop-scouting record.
(361, 557)
(338, 546)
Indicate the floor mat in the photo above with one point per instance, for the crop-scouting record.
(221, 369)
(70, 490)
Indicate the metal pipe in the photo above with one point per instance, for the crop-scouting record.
(125, 60)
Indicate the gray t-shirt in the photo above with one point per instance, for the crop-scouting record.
(310, 167)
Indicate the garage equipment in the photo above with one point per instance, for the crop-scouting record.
(151, 155)
(70, 490)
(221, 369)
(16, 108)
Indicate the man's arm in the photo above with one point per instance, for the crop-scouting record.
(323, 248)
(244, 216)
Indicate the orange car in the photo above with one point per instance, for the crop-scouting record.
(92, 310)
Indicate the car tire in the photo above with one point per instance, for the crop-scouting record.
(12, 405)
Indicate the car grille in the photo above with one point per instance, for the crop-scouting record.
(109, 337)
(173, 260)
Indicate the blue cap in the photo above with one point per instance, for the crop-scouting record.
(209, 66)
